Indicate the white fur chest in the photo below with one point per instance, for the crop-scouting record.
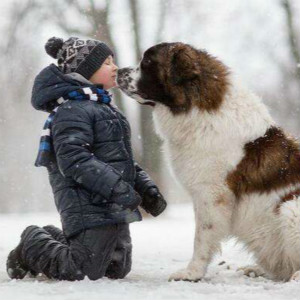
(202, 146)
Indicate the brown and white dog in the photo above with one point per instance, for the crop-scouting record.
(241, 170)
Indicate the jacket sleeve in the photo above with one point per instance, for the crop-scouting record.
(72, 133)
(142, 180)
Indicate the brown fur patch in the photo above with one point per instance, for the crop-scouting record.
(290, 196)
(195, 78)
(270, 162)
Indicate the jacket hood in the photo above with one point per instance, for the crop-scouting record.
(51, 84)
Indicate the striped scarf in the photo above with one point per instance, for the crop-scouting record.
(46, 152)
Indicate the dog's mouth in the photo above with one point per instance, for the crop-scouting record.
(143, 101)
(150, 103)
(141, 98)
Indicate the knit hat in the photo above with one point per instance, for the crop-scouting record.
(77, 55)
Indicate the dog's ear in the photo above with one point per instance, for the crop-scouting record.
(184, 65)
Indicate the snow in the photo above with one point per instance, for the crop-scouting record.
(160, 246)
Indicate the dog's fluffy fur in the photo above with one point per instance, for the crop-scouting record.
(242, 172)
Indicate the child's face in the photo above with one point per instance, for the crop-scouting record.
(106, 75)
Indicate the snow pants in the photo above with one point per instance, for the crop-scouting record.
(96, 252)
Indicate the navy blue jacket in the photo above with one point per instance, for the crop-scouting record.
(93, 156)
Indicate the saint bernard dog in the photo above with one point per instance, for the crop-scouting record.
(241, 170)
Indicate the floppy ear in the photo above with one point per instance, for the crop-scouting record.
(184, 65)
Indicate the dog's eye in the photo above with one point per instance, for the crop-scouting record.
(147, 62)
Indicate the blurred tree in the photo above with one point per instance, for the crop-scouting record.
(292, 37)
(151, 156)
(20, 60)
(291, 72)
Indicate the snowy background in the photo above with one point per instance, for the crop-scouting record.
(258, 40)
(160, 247)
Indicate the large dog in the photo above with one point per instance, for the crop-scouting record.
(241, 170)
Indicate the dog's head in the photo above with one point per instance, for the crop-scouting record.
(178, 76)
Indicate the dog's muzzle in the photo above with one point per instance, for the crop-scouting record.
(127, 79)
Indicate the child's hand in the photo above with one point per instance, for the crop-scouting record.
(153, 202)
(125, 195)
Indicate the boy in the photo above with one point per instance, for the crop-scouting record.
(97, 185)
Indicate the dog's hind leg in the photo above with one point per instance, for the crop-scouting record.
(213, 219)
(290, 219)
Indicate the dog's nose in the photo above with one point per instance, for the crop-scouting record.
(122, 72)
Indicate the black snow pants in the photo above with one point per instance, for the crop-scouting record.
(96, 252)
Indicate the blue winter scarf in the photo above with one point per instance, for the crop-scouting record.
(46, 154)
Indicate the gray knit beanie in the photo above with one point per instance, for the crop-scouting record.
(77, 55)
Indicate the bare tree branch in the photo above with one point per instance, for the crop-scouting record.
(161, 20)
(292, 36)
(58, 13)
(151, 157)
(135, 23)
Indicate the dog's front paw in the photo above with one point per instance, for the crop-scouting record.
(295, 276)
(252, 271)
(186, 275)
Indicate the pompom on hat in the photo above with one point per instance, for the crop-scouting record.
(78, 55)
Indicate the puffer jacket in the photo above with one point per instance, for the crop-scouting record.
(94, 160)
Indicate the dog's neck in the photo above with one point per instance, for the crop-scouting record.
(242, 117)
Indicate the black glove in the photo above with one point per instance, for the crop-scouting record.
(125, 195)
(153, 202)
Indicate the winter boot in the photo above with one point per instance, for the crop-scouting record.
(15, 266)
(56, 233)
(43, 253)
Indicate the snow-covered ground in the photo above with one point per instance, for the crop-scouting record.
(161, 246)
